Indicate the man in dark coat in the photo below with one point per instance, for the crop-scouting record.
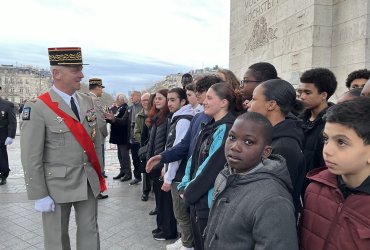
(8, 126)
(127, 122)
(118, 135)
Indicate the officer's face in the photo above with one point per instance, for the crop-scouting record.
(99, 91)
(69, 78)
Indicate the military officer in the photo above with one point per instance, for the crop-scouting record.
(8, 126)
(96, 91)
(61, 155)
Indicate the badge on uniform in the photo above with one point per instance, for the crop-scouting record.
(26, 113)
(91, 117)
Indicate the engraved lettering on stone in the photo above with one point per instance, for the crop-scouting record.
(261, 35)
(255, 8)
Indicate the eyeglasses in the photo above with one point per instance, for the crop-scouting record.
(242, 82)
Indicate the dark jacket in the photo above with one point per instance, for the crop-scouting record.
(157, 139)
(118, 134)
(187, 144)
(8, 121)
(253, 210)
(287, 141)
(329, 220)
(314, 142)
(126, 121)
(206, 162)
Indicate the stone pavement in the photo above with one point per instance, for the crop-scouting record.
(123, 218)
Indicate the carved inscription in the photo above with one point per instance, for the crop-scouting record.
(261, 35)
(255, 8)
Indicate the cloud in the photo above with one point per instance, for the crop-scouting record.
(121, 72)
(130, 43)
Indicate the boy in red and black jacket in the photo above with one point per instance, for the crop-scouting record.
(337, 201)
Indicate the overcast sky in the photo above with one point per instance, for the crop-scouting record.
(128, 43)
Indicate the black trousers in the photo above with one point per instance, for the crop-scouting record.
(124, 159)
(154, 175)
(198, 225)
(165, 218)
(4, 162)
(147, 183)
(136, 159)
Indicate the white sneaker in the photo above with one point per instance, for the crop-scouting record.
(175, 246)
(186, 248)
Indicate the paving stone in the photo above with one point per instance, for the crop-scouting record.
(123, 218)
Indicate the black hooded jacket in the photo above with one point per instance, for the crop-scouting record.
(287, 141)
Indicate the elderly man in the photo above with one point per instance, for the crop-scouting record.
(61, 155)
(118, 136)
(128, 120)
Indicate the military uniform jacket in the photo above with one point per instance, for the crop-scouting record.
(54, 163)
(8, 121)
(102, 124)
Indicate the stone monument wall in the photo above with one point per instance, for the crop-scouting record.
(296, 35)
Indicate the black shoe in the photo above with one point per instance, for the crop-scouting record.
(101, 196)
(125, 178)
(157, 230)
(159, 236)
(3, 181)
(118, 177)
(135, 181)
(153, 212)
(144, 197)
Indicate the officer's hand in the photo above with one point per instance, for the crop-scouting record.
(8, 141)
(153, 161)
(45, 205)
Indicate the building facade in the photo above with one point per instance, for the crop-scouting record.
(21, 83)
(297, 35)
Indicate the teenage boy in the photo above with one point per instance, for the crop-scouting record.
(252, 206)
(316, 87)
(357, 79)
(337, 201)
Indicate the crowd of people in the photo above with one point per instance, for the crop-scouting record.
(250, 164)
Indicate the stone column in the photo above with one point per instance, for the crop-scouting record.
(296, 35)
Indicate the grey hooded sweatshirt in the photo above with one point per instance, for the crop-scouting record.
(253, 210)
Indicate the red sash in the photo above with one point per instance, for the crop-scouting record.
(81, 135)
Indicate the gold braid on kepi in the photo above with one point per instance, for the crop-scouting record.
(96, 81)
(65, 56)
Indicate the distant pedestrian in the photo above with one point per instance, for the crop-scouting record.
(8, 127)
(186, 79)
